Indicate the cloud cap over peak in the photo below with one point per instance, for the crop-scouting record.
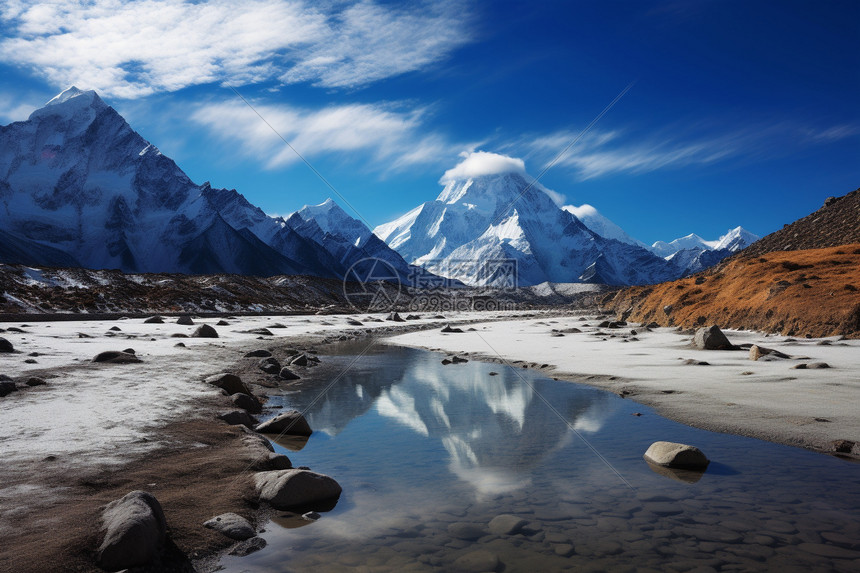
(479, 163)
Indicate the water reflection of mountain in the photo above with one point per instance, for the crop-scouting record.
(496, 429)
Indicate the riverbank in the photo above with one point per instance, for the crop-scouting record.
(92, 432)
(766, 399)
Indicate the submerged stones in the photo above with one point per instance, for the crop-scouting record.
(295, 487)
(711, 338)
(674, 455)
(135, 532)
(506, 524)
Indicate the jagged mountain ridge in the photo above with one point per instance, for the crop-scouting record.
(503, 215)
(79, 187)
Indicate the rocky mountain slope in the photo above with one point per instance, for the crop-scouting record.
(801, 280)
(79, 187)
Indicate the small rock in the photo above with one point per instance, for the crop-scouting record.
(247, 402)
(259, 353)
(232, 525)
(295, 487)
(154, 320)
(506, 524)
(300, 360)
(239, 418)
(115, 329)
(673, 455)
(135, 532)
(205, 331)
(448, 329)
(395, 317)
(757, 352)
(36, 382)
(291, 422)
(261, 331)
(477, 561)
(7, 388)
(248, 546)
(466, 531)
(6, 346)
(287, 374)
(185, 320)
(230, 383)
(711, 338)
(116, 357)
(222, 322)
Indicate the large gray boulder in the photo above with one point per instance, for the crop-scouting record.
(291, 488)
(291, 422)
(247, 402)
(230, 383)
(6, 346)
(232, 525)
(135, 532)
(674, 455)
(712, 338)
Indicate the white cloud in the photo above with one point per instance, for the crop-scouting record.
(478, 163)
(129, 49)
(394, 139)
(16, 108)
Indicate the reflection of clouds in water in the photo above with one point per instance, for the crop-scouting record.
(400, 406)
(487, 481)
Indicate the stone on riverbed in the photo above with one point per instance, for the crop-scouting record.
(291, 488)
(135, 532)
(239, 418)
(506, 524)
(673, 455)
(287, 374)
(478, 561)
(154, 320)
(291, 422)
(185, 320)
(7, 388)
(712, 338)
(232, 525)
(247, 402)
(259, 353)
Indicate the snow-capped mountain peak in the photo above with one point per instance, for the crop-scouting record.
(736, 239)
(594, 220)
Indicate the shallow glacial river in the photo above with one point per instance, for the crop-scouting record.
(429, 454)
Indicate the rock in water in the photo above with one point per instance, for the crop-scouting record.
(259, 353)
(232, 525)
(116, 357)
(230, 383)
(185, 320)
(290, 423)
(447, 328)
(395, 317)
(154, 320)
(506, 524)
(673, 455)
(135, 532)
(290, 488)
(5, 345)
(205, 331)
(712, 338)
(757, 352)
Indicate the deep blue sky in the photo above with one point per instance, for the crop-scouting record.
(742, 113)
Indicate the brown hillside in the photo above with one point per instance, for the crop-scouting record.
(813, 292)
(836, 223)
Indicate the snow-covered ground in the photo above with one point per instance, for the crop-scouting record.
(766, 399)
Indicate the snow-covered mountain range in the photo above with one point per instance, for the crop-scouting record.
(79, 187)
(491, 210)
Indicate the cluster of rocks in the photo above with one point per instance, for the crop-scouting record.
(285, 370)
(135, 528)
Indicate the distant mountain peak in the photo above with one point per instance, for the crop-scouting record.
(70, 93)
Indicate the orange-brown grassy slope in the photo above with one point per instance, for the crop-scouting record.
(813, 292)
